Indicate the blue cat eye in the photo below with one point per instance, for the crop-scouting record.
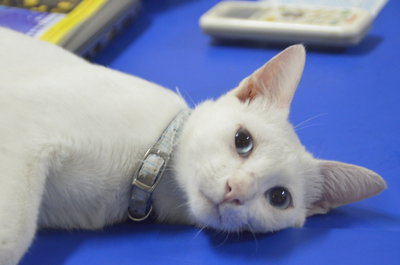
(279, 197)
(243, 142)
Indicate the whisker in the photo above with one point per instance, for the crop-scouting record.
(199, 232)
(224, 241)
(307, 126)
(182, 205)
(309, 119)
(238, 233)
(178, 91)
(251, 230)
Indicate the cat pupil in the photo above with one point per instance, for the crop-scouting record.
(279, 197)
(243, 142)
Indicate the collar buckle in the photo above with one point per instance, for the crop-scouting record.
(143, 179)
(151, 169)
(147, 177)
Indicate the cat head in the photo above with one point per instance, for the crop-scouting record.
(242, 166)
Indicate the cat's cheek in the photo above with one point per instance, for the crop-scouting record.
(296, 219)
(203, 210)
(299, 223)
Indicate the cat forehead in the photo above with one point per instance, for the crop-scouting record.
(229, 110)
(224, 117)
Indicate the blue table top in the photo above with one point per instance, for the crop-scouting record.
(353, 97)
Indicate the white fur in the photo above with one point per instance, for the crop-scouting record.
(72, 134)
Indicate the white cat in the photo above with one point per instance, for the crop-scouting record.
(72, 135)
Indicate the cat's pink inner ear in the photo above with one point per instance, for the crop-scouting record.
(249, 91)
(277, 79)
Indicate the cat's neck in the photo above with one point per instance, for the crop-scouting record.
(169, 200)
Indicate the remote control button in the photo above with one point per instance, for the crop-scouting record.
(270, 18)
(292, 13)
(352, 18)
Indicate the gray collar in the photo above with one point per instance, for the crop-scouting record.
(152, 167)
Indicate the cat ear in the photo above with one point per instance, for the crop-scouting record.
(345, 183)
(277, 79)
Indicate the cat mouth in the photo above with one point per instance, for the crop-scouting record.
(222, 215)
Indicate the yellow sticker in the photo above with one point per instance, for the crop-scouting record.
(79, 14)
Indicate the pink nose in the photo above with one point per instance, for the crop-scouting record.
(232, 193)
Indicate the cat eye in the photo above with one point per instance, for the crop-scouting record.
(243, 142)
(279, 197)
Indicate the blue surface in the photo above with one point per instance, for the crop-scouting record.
(354, 96)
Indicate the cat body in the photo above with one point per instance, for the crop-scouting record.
(69, 145)
(72, 135)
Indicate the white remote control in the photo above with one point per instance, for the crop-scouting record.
(286, 24)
